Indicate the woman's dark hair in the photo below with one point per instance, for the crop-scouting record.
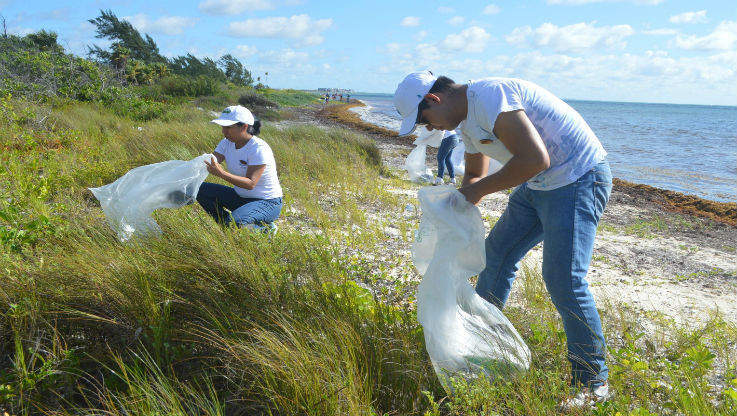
(253, 130)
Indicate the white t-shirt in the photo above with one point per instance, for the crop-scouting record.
(571, 144)
(255, 152)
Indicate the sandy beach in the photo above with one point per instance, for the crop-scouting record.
(669, 256)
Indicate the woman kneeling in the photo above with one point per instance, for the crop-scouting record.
(255, 199)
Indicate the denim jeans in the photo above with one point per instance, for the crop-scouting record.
(215, 198)
(565, 219)
(444, 151)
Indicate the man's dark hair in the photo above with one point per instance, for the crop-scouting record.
(442, 84)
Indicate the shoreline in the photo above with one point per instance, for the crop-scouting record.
(673, 201)
(671, 258)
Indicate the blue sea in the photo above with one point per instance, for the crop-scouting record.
(686, 148)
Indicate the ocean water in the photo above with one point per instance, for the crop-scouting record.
(686, 148)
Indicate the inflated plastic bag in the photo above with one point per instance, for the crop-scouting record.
(458, 159)
(415, 162)
(464, 334)
(429, 137)
(129, 201)
(415, 165)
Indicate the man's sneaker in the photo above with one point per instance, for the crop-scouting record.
(438, 181)
(586, 398)
(453, 180)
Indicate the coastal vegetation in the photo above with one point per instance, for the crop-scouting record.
(318, 319)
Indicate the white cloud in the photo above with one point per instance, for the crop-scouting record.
(285, 56)
(232, 7)
(445, 10)
(491, 9)
(20, 31)
(572, 38)
(724, 37)
(472, 39)
(660, 32)
(393, 47)
(410, 21)
(456, 20)
(652, 76)
(425, 54)
(169, 25)
(420, 35)
(245, 51)
(580, 2)
(301, 29)
(689, 17)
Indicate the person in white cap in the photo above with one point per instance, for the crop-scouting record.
(562, 180)
(255, 199)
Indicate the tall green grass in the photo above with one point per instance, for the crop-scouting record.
(210, 320)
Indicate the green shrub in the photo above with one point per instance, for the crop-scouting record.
(178, 86)
(127, 104)
(49, 74)
(254, 99)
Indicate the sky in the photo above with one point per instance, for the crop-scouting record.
(669, 51)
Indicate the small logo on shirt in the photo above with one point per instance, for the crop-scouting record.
(243, 162)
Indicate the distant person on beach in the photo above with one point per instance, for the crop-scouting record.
(449, 142)
(562, 181)
(348, 98)
(255, 199)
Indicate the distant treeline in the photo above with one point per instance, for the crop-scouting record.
(36, 66)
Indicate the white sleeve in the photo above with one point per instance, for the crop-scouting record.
(220, 148)
(500, 98)
(259, 155)
(470, 148)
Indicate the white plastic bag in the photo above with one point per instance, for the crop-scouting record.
(464, 334)
(458, 159)
(429, 137)
(415, 165)
(129, 201)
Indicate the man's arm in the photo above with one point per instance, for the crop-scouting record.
(219, 157)
(477, 167)
(529, 157)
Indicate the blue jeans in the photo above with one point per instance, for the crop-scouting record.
(565, 219)
(215, 198)
(444, 151)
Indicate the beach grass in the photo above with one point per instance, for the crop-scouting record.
(220, 321)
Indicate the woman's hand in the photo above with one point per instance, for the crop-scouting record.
(215, 168)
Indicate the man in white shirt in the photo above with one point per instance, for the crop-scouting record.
(562, 184)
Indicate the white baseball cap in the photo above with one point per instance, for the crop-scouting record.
(234, 114)
(408, 95)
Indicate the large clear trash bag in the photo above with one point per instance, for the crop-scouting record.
(429, 137)
(464, 334)
(416, 167)
(415, 162)
(458, 159)
(129, 201)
